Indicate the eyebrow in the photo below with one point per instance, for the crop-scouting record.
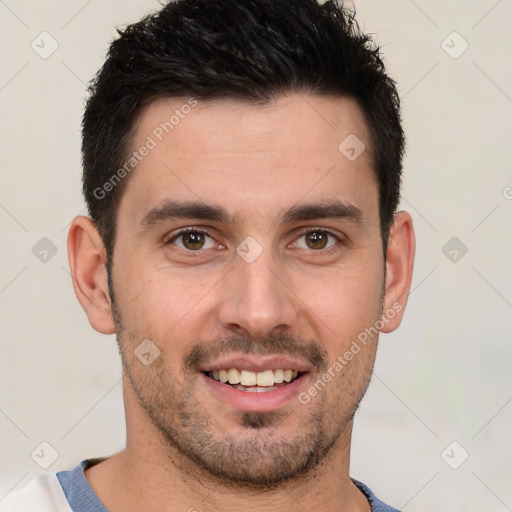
(172, 210)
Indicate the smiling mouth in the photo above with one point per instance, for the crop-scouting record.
(254, 382)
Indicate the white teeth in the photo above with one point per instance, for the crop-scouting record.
(264, 379)
(255, 389)
(233, 376)
(278, 376)
(248, 378)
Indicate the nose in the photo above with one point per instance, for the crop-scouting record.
(256, 299)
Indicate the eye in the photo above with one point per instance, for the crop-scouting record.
(192, 240)
(195, 240)
(317, 239)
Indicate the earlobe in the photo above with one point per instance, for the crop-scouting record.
(399, 267)
(87, 256)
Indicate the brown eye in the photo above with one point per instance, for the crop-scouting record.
(317, 240)
(192, 240)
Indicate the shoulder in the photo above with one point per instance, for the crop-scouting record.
(42, 494)
(376, 504)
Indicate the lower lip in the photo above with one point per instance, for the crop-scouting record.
(255, 402)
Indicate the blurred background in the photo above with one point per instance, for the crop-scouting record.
(434, 431)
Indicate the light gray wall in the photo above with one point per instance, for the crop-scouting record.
(444, 376)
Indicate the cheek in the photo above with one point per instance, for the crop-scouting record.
(346, 310)
(345, 303)
(149, 291)
(350, 337)
(160, 305)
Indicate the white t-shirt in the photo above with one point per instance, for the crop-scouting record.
(65, 491)
(42, 494)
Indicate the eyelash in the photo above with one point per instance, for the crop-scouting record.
(302, 233)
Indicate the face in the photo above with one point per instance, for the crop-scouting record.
(248, 247)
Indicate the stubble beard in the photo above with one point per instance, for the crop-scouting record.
(258, 454)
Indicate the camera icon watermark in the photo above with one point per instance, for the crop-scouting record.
(454, 45)
(455, 455)
(507, 193)
(352, 147)
(44, 250)
(454, 249)
(44, 45)
(146, 352)
(44, 455)
(249, 249)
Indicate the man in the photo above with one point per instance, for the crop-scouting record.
(242, 165)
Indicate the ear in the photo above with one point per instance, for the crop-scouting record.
(399, 266)
(87, 258)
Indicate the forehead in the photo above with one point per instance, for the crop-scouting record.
(251, 158)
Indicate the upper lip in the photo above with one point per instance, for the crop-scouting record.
(255, 364)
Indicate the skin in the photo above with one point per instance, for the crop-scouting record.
(302, 297)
